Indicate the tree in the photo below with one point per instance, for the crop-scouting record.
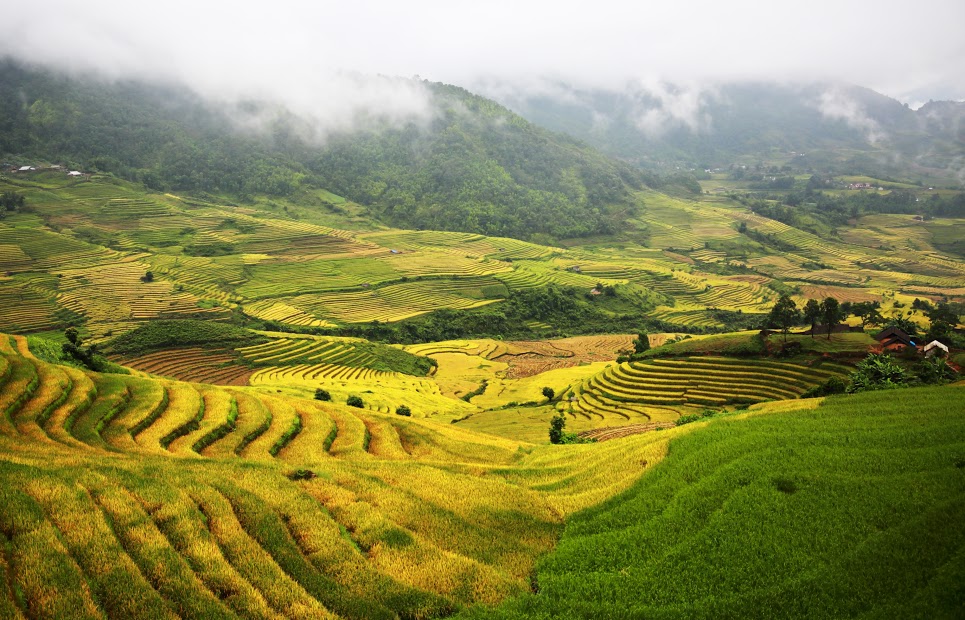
(830, 314)
(403, 410)
(322, 394)
(940, 331)
(73, 336)
(148, 277)
(878, 371)
(943, 321)
(557, 424)
(935, 370)
(355, 401)
(904, 324)
(812, 313)
(11, 201)
(942, 311)
(784, 315)
(869, 312)
(548, 393)
(74, 349)
(642, 343)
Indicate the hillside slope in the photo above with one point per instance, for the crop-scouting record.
(474, 166)
(125, 497)
(848, 509)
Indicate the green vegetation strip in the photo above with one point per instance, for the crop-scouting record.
(287, 436)
(254, 434)
(44, 415)
(181, 333)
(850, 510)
(219, 431)
(151, 417)
(188, 427)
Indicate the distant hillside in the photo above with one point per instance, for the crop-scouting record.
(476, 167)
(837, 126)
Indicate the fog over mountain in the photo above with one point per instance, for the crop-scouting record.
(322, 59)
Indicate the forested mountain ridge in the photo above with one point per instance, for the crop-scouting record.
(474, 166)
(830, 126)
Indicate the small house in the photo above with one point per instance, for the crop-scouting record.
(75, 173)
(934, 348)
(894, 339)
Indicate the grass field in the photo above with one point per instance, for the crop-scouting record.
(850, 509)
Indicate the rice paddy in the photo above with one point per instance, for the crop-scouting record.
(101, 236)
(128, 497)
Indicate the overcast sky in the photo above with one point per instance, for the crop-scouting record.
(910, 50)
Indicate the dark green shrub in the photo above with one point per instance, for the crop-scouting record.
(355, 401)
(302, 474)
(322, 394)
(403, 410)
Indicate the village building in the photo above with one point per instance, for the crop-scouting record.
(894, 339)
(934, 348)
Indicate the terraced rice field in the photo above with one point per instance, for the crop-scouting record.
(48, 251)
(394, 302)
(288, 350)
(841, 293)
(747, 297)
(705, 381)
(271, 310)
(754, 505)
(533, 274)
(205, 521)
(468, 244)
(489, 349)
(608, 433)
(116, 292)
(23, 309)
(688, 318)
(192, 364)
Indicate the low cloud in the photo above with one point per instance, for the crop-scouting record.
(837, 105)
(311, 55)
(661, 107)
(230, 57)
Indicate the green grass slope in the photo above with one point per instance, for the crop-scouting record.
(852, 509)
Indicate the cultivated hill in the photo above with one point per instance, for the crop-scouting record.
(472, 166)
(127, 497)
(80, 251)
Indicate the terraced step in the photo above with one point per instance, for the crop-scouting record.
(315, 438)
(352, 438)
(183, 407)
(254, 419)
(282, 414)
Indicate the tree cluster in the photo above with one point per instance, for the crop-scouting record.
(785, 314)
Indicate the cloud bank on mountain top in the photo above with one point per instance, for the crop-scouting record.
(324, 60)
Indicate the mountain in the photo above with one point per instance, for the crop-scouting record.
(835, 126)
(473, 166)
